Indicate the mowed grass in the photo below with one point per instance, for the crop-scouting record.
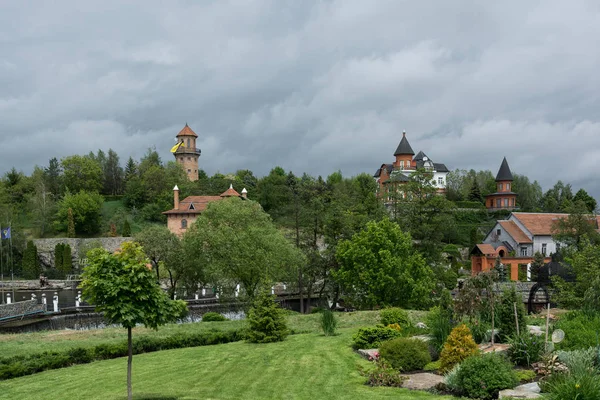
(304, 366)
(32, 343)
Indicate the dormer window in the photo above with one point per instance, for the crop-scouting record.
(192, 206)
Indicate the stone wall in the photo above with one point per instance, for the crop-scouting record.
(21, 308)
(46, 248)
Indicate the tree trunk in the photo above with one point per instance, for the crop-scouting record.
(129, 359)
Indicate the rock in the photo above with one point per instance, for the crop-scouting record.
(526, 391)
(535, 330)
(369, 354)
(421, 325)
(498, 347)
(425, 338)
(422, 381)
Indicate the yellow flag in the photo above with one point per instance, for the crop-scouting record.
(174, 148)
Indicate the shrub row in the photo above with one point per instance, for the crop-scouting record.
(12, 367)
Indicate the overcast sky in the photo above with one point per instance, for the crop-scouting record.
(312, 86)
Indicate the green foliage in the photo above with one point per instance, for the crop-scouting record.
(31, 263)
(372, 337)
(70, 223)
(81, 173)
(536, 266)
(433, 366)
(505, 314)
(58, 256)
(479, 329)
(235, 241)
(500, 269)
(459, 346)
(451, 380)
(580, 381)
(384, 375)
(483, 376)
(266, 320)
(213, 317)
(405, 354)
(395, 315)
(525, 375)
(67, 260)
(581, 330)
(13, 367)
(525, 348)
(328, 322)
(379, 266)
(440, 323)
(126, 231)
(85, 207)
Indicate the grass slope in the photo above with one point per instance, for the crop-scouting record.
(306, 366)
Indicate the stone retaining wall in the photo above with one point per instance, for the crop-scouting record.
(46, 248)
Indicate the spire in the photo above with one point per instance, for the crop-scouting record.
(504, 173)
(404, 147)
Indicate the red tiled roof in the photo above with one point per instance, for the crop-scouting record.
(486, 248)
(230, 193)
(187, 131)
(539, 223)
(193, 204)
(515, 232)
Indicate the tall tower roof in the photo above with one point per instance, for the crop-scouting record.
(404, 147)
(187, 131)
(504, 173)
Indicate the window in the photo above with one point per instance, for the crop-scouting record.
(508, 187)
(544, 249)
(498, 232)
(189, 159)
(441, 181)
(505, 202)
(401, 164)
(498, 203)
(188, 142)
(523, 250)
(499, 187)
(189, 171)
(512, 202)
(184, 224)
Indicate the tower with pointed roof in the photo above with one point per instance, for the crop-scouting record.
(187, 154)
(504, 198)
(403, 154)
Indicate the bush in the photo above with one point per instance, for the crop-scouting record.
(440, 325)
(266, 320)
(505, 314)
(372, 337)
(451, 380)
(213, 317)
(525, 375)
(383, 375)
(483, 376)
(580, 360)
(395, 315)
(480, 331)
(561, 386)
(405, 354)
(458, 347)
(580, 330)
(432, 366)
(328, 323)
(525, 349)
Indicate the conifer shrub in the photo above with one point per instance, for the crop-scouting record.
(458, 347)
(58, 256)
(505, 314)
(394, 315)
(213, 317)
(67, 260)
(266, 320)
(372, 337)
(328, 322)
(483, 376)
(405, 354)
(126, 231)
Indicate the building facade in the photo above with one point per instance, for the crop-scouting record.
(390, 177)
(184, 213)
(187, 154)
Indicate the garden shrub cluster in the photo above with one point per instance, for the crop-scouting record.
(395, 315)
(383, 375)
(483, 376)
(12, 367)
(580, 330)
(581, 381)
(213, 317)
(372, 337)
(525, 349)
(505, 314)
(405, 354)
(458, 347)
(525, 375)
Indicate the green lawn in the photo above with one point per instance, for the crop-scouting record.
(304, 366)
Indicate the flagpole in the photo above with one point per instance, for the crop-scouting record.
(12, 275)
(1, 266)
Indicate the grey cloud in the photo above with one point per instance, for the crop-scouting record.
(312, 86)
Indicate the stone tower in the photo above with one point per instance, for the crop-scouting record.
(187, 154)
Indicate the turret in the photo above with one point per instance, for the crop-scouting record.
(187, 154)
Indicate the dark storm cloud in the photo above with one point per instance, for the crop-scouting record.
(312, 86)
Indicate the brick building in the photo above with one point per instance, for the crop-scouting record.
(185, 212)
(187, 154)
(504, 198)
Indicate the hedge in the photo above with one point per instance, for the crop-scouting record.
(13, 367)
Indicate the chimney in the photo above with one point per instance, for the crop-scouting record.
(176, 197)
(244, 193)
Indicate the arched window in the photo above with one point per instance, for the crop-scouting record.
(184, 223)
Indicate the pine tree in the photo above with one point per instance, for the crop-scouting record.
(71, 224)
(267, 321)
(126, 232)
(67, 266)
(475, 193)
(501, 269)
(31, 263)
(58, 256)
(536, 266)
